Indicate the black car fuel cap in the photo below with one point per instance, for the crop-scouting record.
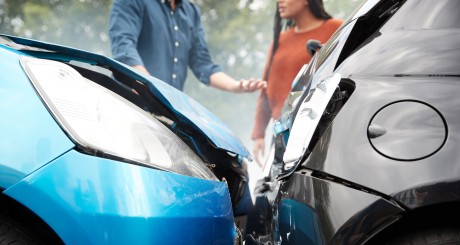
(407, 130)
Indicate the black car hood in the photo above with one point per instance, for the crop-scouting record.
(406, 53)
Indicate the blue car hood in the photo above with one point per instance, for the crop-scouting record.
(190, 110)
(186, 109)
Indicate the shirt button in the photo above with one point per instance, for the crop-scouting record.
(172, 12)
(176, 28)
(176, 60)
(177, 44)
(174, 76)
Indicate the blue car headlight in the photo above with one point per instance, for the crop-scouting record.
(102, 121)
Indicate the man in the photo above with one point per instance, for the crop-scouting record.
(165, 37)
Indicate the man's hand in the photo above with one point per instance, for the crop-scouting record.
(259, 149)
(251, 85)
(224, 82)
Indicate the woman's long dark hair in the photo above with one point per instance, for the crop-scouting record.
(316, 7)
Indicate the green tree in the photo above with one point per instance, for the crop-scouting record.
(80, 24)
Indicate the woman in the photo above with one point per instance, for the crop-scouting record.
(296, 22)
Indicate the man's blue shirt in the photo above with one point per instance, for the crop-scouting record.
(165, 41)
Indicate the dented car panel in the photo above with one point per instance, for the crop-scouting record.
(185, 108)
(100, 201)
(313, 211)
(89, 155)
(382, 165)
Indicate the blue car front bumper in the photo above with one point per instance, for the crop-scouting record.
(90, 200)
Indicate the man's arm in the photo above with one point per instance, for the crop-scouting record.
(125, 24)
(223, 81)
(208, 72)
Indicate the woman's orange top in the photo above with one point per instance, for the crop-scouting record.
(289, 58)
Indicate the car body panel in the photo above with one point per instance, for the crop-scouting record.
(429, 194)
(184, 107)
(346, 139)
(386, 163)
(191, 111)
(383, 56)
(101, 201)
(314, 211)
(434, 56)
(39, 140)
(88, 197)
(386, 53)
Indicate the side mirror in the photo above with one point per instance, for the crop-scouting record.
(313, 46)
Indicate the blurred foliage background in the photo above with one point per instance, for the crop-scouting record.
(239, 33)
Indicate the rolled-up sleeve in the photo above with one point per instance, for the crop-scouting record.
(199, 59)
(125, 23)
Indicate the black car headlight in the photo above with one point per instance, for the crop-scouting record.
(307, 119)
(102, 121)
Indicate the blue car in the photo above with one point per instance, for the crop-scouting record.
(92, 152)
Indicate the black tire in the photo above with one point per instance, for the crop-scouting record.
(433, 236)
(12, 233)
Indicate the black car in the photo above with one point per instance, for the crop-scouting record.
(368, 146)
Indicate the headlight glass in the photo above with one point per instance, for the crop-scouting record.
(102, 121)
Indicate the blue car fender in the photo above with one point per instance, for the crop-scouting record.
(90, 200)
